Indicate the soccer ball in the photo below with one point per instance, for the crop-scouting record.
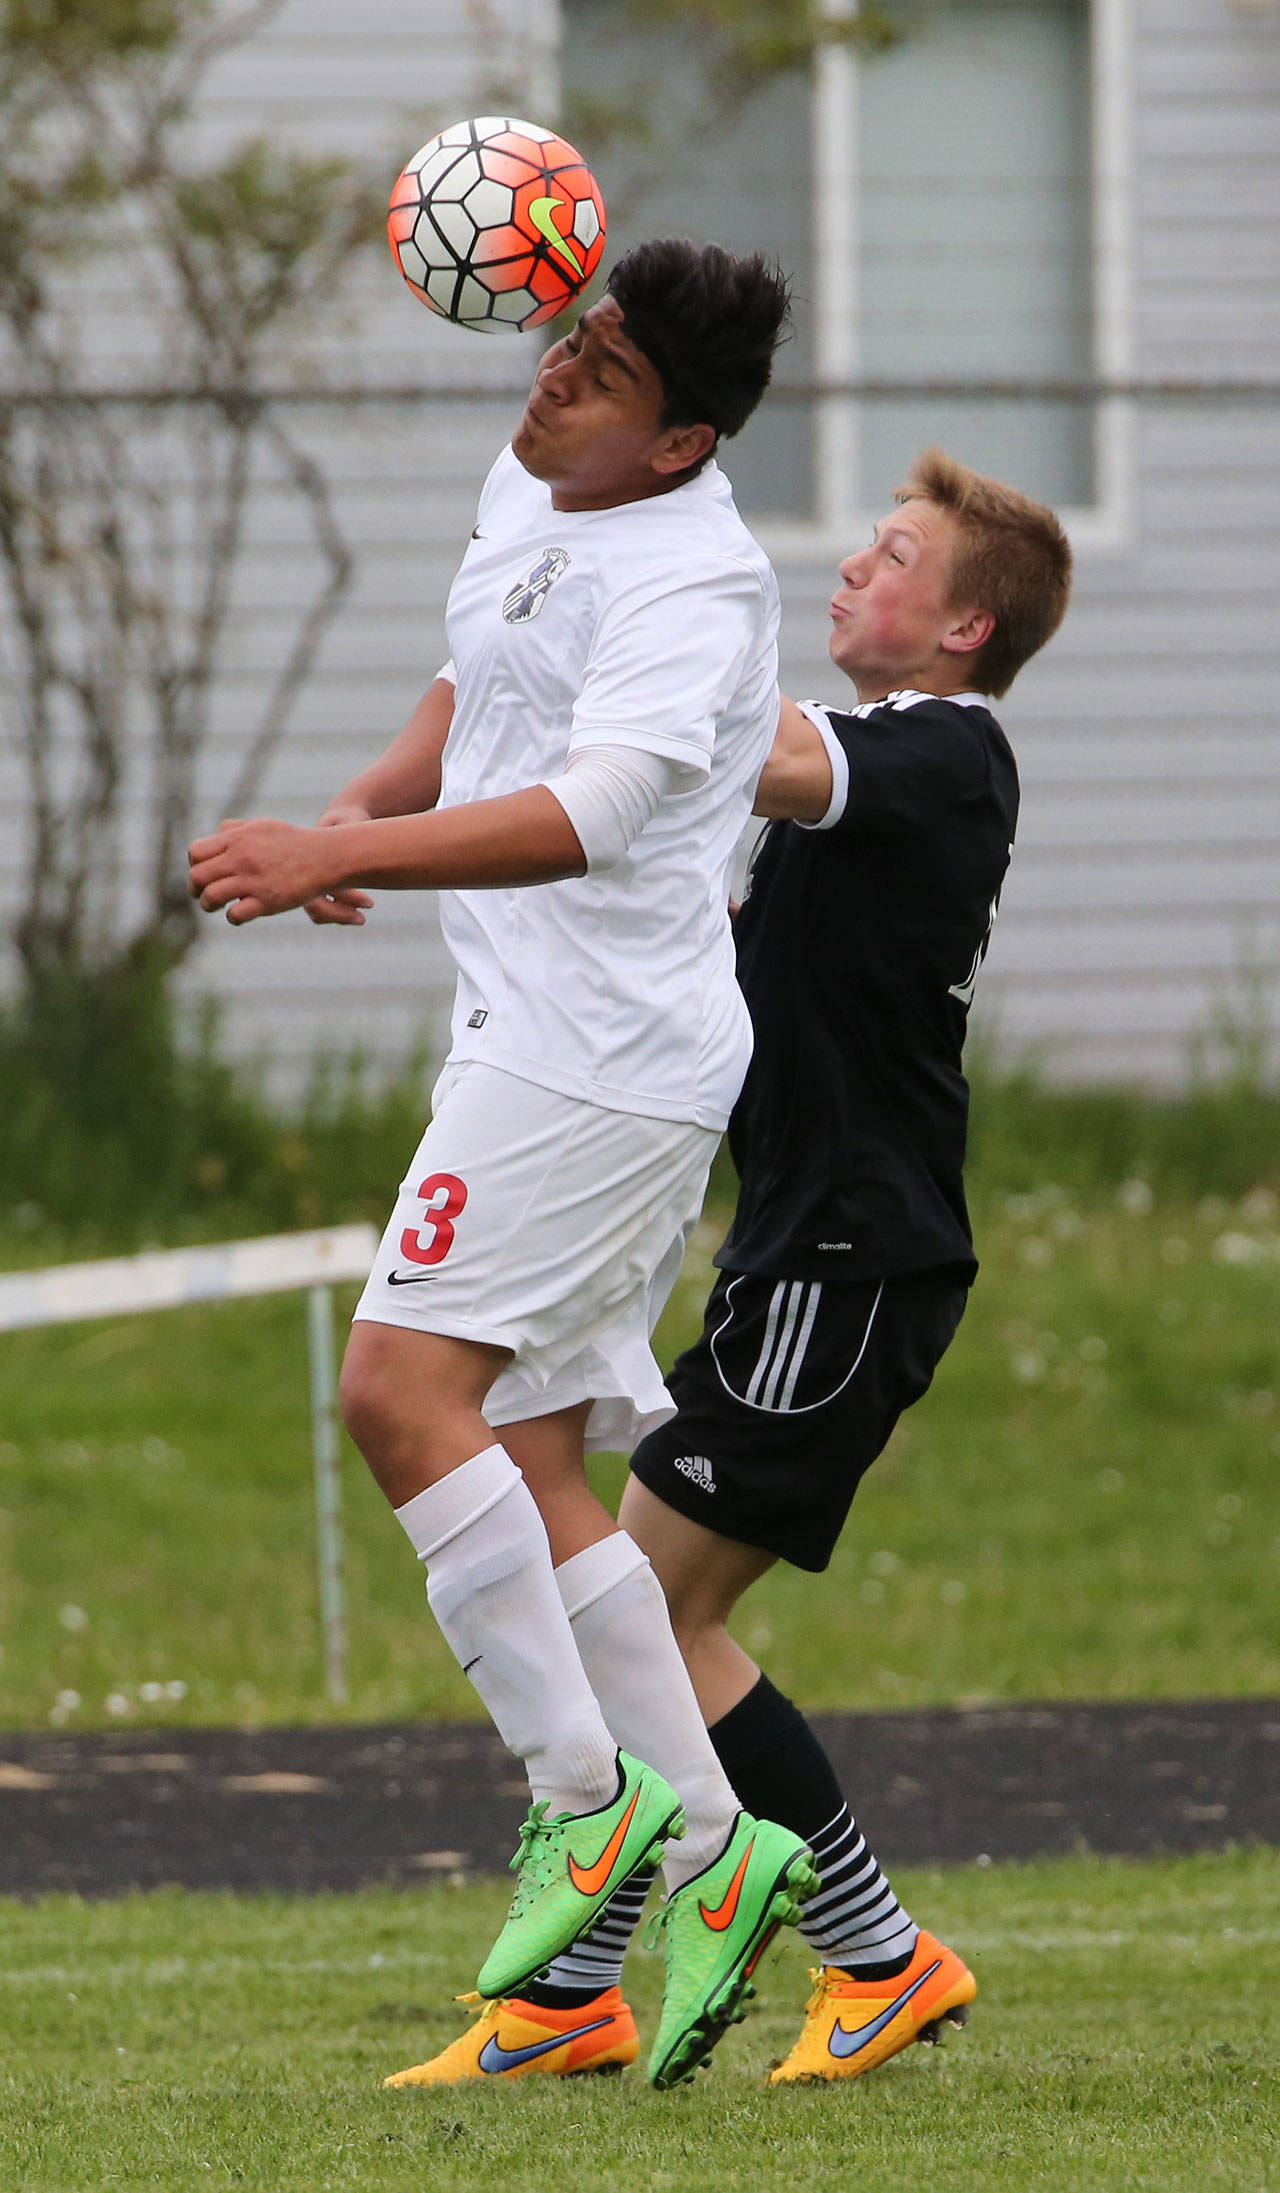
(496, 224)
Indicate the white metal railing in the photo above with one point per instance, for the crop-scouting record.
(161, 1279)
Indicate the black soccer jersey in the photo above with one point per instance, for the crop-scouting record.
(859, 942)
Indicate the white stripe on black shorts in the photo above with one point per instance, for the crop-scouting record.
(787, 1398)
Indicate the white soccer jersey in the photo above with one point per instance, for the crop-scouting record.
(652, 625)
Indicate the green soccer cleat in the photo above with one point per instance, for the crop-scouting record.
(568, 1868)
(717, 1928)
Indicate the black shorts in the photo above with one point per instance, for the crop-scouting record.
(788, 1397)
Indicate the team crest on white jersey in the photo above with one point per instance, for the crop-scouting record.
(527, 596)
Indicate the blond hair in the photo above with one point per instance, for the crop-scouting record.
(1011, 558)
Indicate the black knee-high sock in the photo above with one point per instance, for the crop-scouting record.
(781, 1772)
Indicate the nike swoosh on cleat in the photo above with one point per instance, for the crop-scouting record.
(589, 1880)
(726, 1909)
(494, 2057)
(845, 2042)
(540, 212)
(408, 1279)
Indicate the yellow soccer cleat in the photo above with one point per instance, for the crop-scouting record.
(853, 2025)
(511, 2038)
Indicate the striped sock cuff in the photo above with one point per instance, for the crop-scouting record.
(854, 1917)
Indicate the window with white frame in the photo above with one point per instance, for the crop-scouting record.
(935, 206)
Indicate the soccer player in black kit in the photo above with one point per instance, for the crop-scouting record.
(845, 1273)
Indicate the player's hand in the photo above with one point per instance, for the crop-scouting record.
(346, 908)
(256, 868)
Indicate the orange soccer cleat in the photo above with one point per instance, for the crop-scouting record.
(511, 2038)
(853, 2025)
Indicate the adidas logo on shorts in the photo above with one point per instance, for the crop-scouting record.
(697, 1469)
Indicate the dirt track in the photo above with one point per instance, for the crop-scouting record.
(331, 1808)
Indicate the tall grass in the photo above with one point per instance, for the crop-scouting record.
(124, 1123)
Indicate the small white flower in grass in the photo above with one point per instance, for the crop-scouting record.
(1238, 1249)
(151, 1693)
(73, 1619)
(1136, 1197)
(983, 1858)
(954, 1593)
(176, 1689)
(1259, 1205)
(884, 1564)
(63, 1707)
(117, 1704)
(1027, 1367)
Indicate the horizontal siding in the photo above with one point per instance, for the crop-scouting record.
(1207, 160)
(1147, 734)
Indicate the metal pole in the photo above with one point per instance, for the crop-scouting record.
(324, 1447)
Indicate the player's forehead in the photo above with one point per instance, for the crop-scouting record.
(923, 523)
(602, 324)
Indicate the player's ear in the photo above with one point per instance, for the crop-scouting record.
(970, 631)
(683, 446)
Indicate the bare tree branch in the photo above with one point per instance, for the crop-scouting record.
(122, 527)
(310, 481)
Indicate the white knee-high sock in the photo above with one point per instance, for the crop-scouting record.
(623, 1633)
(491, 1586)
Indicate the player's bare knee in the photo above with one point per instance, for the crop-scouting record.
(366, 1404)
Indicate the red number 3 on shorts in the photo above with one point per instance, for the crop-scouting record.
(444, 1196)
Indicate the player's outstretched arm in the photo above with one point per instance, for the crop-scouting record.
(405, 780)
(267, 867)
(795, 783)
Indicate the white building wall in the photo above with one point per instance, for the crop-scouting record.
(1147, 734)
(1147, 872)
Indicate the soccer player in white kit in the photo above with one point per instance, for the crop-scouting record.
(598, 732)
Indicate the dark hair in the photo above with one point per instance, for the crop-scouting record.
(1011, 557)
(709, 325)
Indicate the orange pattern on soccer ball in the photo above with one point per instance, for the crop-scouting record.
(496, 223)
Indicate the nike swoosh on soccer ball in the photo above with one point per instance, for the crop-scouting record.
(540, 211)
(494, 2057)
(845, 2043)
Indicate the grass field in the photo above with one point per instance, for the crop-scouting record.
(1083, 1506)
(1125, 2036)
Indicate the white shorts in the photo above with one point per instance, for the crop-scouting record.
(532, 1221)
